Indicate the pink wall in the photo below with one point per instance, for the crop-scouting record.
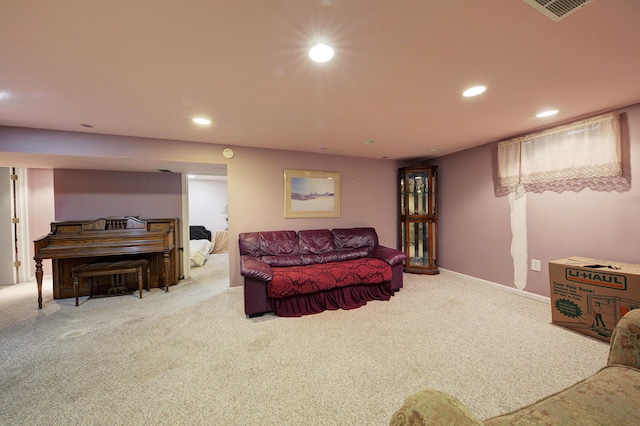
(474, 227)
(92, 194)
(255, 181)
(256, 195)
(602, 225)
(475, 233)
(207, 199)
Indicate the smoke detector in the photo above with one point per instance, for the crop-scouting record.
(557, 9)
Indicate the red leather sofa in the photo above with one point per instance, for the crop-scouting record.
(307, 272)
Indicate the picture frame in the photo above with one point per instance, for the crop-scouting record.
(311, 194)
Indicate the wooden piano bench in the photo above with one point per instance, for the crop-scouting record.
(115, 269)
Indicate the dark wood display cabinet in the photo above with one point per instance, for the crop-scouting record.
(418, 218)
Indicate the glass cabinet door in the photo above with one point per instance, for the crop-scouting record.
(402, 195)
(418, 244)
(418, 190)
(418, 222)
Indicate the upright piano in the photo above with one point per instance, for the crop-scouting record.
(73, 243)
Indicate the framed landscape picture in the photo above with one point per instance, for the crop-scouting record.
(310, 194)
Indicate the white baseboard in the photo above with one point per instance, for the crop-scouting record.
(236, 289)
(533, 296)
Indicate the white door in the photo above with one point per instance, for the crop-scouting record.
(7, 242)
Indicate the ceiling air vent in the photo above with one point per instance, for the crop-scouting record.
(557, 9)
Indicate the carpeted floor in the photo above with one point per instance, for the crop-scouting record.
(191, 357)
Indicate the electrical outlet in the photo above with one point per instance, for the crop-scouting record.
(535, 265)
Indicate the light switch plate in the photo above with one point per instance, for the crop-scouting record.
(535, 265)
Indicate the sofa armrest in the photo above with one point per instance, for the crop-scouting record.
(432, 407)
(255, 268)
(389, 255)
(625, 341)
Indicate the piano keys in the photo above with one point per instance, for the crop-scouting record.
(73, 243)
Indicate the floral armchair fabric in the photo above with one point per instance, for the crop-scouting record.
(608, 397)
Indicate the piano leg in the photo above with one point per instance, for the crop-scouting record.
(75, 287)
(167, 271)
(39, 281)
(140, 280)
(148, 276)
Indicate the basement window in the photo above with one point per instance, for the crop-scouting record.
(584, 154)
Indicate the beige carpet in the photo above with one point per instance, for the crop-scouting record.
(190, 357)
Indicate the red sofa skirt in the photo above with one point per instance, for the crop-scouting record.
(349, 297)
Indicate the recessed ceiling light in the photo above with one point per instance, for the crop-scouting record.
(369, 142)
(547, 113)
(321, 53)
(436, 149)
(474, 91)
(88, 126)
(202, 120)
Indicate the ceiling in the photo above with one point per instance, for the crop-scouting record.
(144, 68)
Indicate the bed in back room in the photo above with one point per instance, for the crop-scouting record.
(200, 245)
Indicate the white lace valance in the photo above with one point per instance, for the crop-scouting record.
(572, 157)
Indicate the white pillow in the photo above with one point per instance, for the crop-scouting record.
(199, 251)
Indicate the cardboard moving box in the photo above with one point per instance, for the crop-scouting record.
(590, 295)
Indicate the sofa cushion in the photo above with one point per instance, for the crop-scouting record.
(310, 259)
(282, 260)
(355, 238)
(296, 280)
(348, 254)
(274, 243)
(316, 241)
(316, 246)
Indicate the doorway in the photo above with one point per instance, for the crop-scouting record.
(207, 209)
(14, 249)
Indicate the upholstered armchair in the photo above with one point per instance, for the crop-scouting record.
(608, 397)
